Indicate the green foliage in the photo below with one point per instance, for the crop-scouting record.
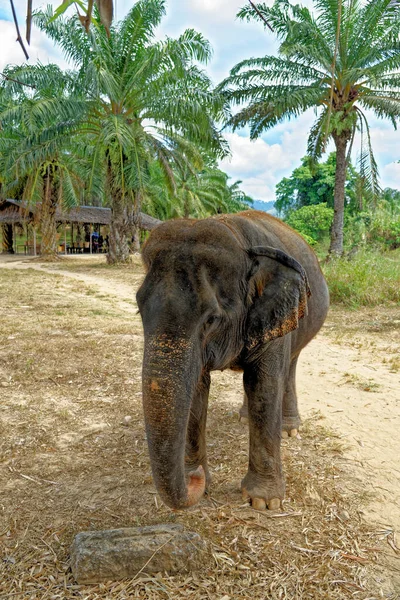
(147, 100)
(308, 184)
(370, 278)
(365, 74)
(38, 122)
(379, 226)
(340, 63)
(196, 194)
(137, 117)
(314, 183)
(313, 222)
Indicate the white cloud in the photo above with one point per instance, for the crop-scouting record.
(262, 164)
(11, 51)
(390, 175)
(252, 158)
(385, 139)
(259, 188)
(218, 10)
(41, 48)
(258, 164)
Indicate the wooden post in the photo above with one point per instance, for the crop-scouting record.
(65, 238)
(91, 231)
(34, 240)
(14, 239)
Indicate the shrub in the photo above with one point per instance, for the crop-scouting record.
(370, 278)
(379, 226)
(312, 222)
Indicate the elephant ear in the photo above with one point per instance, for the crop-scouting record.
(278, 294)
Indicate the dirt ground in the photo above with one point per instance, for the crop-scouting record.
(70, 363)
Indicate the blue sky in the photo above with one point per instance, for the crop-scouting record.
(260, 164)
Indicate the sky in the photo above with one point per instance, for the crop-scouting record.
(261, 164)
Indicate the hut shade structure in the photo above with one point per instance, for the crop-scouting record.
(14, 212)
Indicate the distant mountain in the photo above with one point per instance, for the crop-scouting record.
(265, 206)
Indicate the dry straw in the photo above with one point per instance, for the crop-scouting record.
(70, 361)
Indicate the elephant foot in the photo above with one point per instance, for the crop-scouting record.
(287, 434)
(262, 497)
(261, 503)
(290, 427)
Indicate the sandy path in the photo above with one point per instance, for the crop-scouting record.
(329, 377)
(123, 293)
(368, 421)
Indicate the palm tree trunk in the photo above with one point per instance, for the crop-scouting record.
(7, 244)
(135, 239)
(336, 246)
(137, 205)
(118, 248)
(186, 208)
(48, 222)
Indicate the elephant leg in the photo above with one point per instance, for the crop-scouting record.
(290, 413)
(265, 386)
(196, 451)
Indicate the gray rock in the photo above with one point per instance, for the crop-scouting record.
(121, 553)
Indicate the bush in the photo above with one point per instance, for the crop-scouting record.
(380, 227)
(312, 222)
(371, 278)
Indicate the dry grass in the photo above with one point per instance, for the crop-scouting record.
(70, 362)
(97, 265)
(366, 385)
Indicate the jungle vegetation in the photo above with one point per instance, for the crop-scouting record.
(305, 200)
(341, 59)
(136, 124)
(133, 125)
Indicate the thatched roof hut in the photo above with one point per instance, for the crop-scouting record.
(15, 211)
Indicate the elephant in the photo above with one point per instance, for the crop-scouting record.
(242, 291)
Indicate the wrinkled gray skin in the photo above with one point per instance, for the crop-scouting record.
(236, 291)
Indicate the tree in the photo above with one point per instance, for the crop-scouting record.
(209, 192)
(392, 197)
(36, 158)
(198, 193)
(314, 183)
(313, 221)
(339, 60)
(148, 100)
(237, 199)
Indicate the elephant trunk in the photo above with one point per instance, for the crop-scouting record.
(170, 375)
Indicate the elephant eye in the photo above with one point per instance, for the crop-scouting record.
(211, 319)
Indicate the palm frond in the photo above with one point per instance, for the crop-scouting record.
(318, 136)
(367, 164)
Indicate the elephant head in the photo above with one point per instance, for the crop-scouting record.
(206, 303)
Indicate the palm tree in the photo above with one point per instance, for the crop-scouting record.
(148, 100)
(237, 200)
(200, 194)
(36, 158)
(341, 60)
(197, 193)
